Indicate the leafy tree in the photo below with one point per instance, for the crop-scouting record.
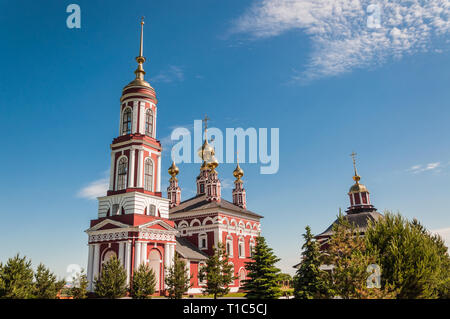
(112, 282)
(46, 286)
(218, 273)
(349, 258)
(80, 284)
(16, 279)
(263, 276)
(178, 280)
(309, 280)
(144, 282)
(413, 260)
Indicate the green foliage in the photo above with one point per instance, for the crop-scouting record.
(309, 280)
(218, 273)
(144, 282)
(263, 276)
(46, 286)
(412, 259)
(348, 255)
(112, 281)
(16, 278)
(80, 284)
(178, 280)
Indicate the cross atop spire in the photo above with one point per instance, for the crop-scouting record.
(141, 48)
(356, 178)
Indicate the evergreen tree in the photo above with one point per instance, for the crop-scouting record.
(218, 273)
(178, 280)
(80, 284)
(46, 286)
(263, 276)
(413, 260)
(112, 281)
(309, 280)
(348, 256)
(144, 282)
(16, 279)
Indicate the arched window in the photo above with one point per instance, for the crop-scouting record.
(152, 210)
(122, 173)
(252, 247)
(126, 122)
(241, 247)
(149, 123)
(203, 241)
(148, 175)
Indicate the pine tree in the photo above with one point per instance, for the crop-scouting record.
(309, 281)
(16, 279)
(178, 280)
(263, 276)
(144, 282)
(46, 286)
(218, 273)
(80, 284)
(413, 260)
(348, 255)
(112, 281)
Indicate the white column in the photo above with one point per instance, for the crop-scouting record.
(171, 254)
(128, 260)
(166, 256)
(137, 255)
(131, 172)
(141, 124)
(158, 177)
(121, 252)
(96, 262)
(139, 168)
(135, 112)
(111, 172)
(144, 253)
(89, 266)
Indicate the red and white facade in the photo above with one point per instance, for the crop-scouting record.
(138, 225)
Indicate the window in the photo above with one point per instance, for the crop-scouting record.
(202, 241)
(152, 210)
(229, 246)
(148, 175)
(200, 266)
(122, 173)
(241, 248)
(126, 122)
(202, 188)
(252, 247)
(115, 209)
(149, 123)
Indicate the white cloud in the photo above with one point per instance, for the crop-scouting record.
(94, 189)
(445, 234)
(427, 167)
(172, 74)
(344, 33)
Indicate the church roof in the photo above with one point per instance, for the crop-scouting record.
(200, 203)
(188, 250)
(360, 220)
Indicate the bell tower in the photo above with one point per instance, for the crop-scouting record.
(358, 194)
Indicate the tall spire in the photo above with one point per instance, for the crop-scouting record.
(141, 59)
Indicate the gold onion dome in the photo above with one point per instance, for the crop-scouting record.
(238, 172)
(206, 152)
(213, 163)
(357, 187)
(173, 170)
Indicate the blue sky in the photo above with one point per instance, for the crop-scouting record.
(314, 70)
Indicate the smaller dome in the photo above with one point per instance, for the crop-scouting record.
(358, 188)
(173, 170)
(238, 172)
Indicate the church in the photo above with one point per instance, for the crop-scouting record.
(138, 225)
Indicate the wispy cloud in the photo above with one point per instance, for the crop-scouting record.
(445, 234)
(346, 34)
(94, 189)
(427, 167)
(172, 74)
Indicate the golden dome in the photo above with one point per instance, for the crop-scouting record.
(213, 163)
(238, 172)
(357, 187)
(205, 152)
(173, 170)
